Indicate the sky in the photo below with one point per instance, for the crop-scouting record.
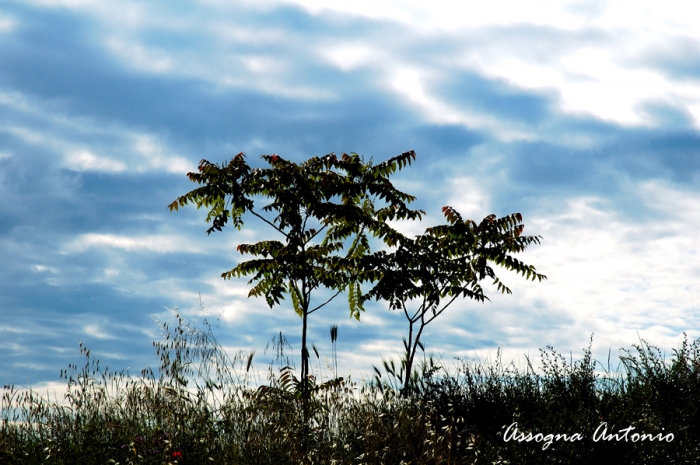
(584, 116)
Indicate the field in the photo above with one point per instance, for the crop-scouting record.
(201, 407)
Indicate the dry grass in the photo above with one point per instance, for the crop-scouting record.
(203, 407)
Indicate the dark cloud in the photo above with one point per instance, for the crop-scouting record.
(678, 58)
(548, 167)
(653, 154)
(497, 98)
(444, 141)
(86, 81)
(52, 320)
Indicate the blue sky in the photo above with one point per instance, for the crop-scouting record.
(583, 116)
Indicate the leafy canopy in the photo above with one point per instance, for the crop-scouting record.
(446, 262)
(449, 261)
(317, 207)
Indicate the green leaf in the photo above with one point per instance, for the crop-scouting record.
(296, 300)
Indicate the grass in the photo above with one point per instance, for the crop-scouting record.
(201, 407)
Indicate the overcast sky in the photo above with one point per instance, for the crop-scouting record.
(583, 116)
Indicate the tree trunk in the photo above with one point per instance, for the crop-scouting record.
(411, 347)
(304, 366)
(410, 351)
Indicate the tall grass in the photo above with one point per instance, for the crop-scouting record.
(201, 406)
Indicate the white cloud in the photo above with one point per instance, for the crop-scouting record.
(232, 304)
(7, 23)
(590, 53)
(97, 332)
(449, 15)
(158, 156)
(26, 134)
(694, 110)
(620, 278)
(242, 34)
(84, 160)
(412, 85)
(154, 243)
(606, 269)
(222, 69)
(670, 17)
(149, 59)
(593, 75)
(43, 269)
(675, 16)
(113, 148)
(351, 56)
(469, 199)
(261, 64)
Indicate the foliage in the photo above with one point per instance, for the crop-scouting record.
(334, 199)
(445, 263)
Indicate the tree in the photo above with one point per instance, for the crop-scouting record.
(443, 264)
(316, 208)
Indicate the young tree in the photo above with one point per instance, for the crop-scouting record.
(443, 264)
(316, 208)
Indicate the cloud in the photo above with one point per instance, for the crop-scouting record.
(606, 276)
(39, 125)
(159, 244)
(450, 16)
(438, 112)
(84, 160)
(151, 60)
(351, 56)
(97, 332)
(584, 118)
(7, 24)
(124, 13)
(586, 59)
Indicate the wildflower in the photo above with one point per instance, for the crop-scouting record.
(177, 454)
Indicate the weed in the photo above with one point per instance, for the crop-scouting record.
(201, 406)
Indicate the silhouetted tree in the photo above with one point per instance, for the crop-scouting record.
(448, 261)
(317, 208)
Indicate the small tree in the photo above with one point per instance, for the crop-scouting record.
(443, 264)
(316, 208)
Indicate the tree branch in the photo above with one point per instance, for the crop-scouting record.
(405, 311)
(324, 303)
(268, 222)
(441, 310)
(316, 233)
